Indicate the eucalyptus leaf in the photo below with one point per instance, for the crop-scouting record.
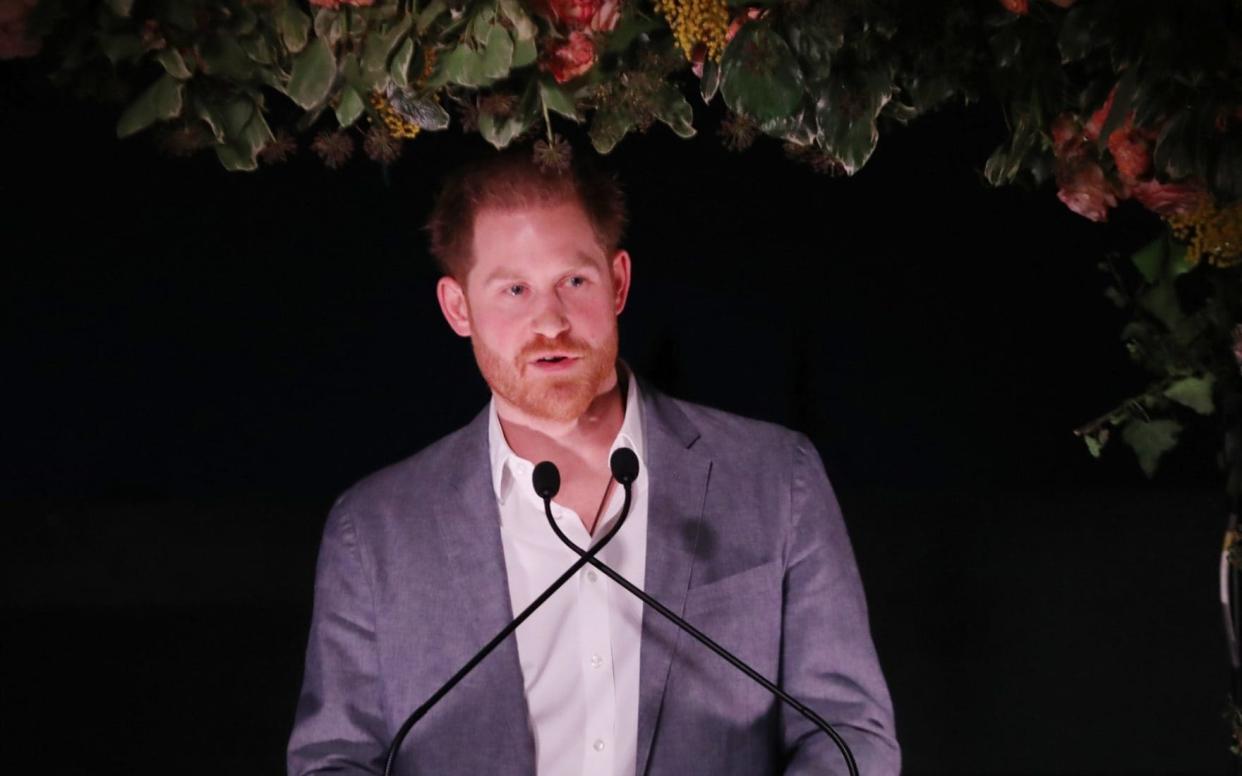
(242, 148)
(632, 25)
(673, 109)
(608, 126)
(1150, 440)
(760, 75)
(123, 47)
(122, 8)
(293, 25)
(313, 73)
(258, 49)
(173, 63)
(498, 53)
(524, 28)
(524, 52)
(558, 100)
(223, 56)
(349, 108)
(1077, 37)
(1123, 105)
(481, 25)
(846, 112)
(210, 114)
(1194, 392)
(399, 69)
(160, 101)
(709, 84)
(428, 15)
(1005, 163)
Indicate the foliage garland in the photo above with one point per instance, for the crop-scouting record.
(1108, 100)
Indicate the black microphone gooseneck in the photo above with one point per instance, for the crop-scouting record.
(624, 465)
(547, 481)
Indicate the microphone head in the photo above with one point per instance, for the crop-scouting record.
(547, 479)
(624, 465)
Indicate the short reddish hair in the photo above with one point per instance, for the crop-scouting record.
(511, 179)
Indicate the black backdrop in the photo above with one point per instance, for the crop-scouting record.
(196, 363)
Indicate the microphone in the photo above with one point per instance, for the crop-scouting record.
(624, 464)
(547, 480)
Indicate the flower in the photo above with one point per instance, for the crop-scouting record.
(14, 42)
(279, 148)
(381, 146)
(1020, 7)
(606, 16)
(554, 156)
(1067, 137)
(1168, 199)
(581, 14)
(334, 147)
(1095, 124)
(749, 14)
(1084, 188)
(571, 58)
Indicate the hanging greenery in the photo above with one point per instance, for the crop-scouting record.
(1107, 100)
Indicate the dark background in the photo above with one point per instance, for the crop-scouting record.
(195, 363)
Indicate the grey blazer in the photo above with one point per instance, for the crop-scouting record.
(745, 540)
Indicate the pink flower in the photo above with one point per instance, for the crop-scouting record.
(1132, 152)
(606, 16)
(750, 14)
(574, 14)
(1085, 189)
(1095, 124)
(1168, 199)
(1067, 137)
(13, 40)
(566, 60)
(1020, 7)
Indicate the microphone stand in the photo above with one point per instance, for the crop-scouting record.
(588, 556)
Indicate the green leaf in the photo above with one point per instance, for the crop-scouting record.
(709, 84)
(380, 45)
(293, 26)
(1151, 259)
(1077, 37)
(223, 56)
(161, 101)
(524, 52)
(760, 76)
(329, 26)
(1096, 442)
(173, 63)
(524, 28)
(609, 124)
(125, 47)
(1005, 163)
(240, 151)
(481, 25)
(632, 24)
(400, 67)
(1123, 104)
(672, 109)
(1194, 392)
(558, 100)
(1150, 440)
(313, 73)
(501, 131)
(846, 112)
(349, 108)
(122, 8)
(258, 49)
(497, 53)
(430, 14)
(209, 113)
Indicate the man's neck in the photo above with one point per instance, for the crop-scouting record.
(567, 443)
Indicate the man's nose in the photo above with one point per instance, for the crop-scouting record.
(550, 319)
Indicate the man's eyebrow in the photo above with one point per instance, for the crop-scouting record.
(584, 261)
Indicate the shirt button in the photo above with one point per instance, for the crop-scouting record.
(592, 576)
(598, 745)
(596, 661)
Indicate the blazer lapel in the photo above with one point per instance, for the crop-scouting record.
(469, 523)
(677, 476)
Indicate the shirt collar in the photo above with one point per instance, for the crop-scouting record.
(508, 468)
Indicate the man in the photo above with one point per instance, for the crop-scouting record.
(733, 525)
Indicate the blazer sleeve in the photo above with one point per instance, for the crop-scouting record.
(828, 660)
(338, 727)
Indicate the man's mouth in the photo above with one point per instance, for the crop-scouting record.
(556, 359)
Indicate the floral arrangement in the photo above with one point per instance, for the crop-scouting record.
(1107, 100)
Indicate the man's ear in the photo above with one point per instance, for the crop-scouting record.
(453, 304)
(621, 279)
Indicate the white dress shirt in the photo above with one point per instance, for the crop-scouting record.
(579, 651)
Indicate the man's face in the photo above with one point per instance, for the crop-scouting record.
(540, 305)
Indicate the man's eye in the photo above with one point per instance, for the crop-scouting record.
(515, 290)
(577, 281)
